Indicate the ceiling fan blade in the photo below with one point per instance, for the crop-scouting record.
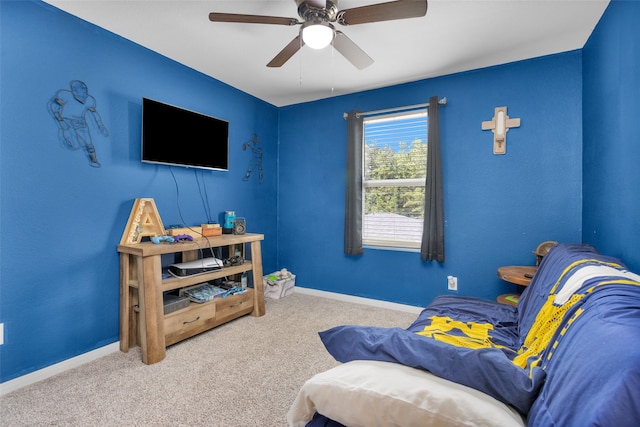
(251, 19)
(286, 53)
(351, 51)
(389, 11)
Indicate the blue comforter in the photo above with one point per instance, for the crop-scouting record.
(574, 362)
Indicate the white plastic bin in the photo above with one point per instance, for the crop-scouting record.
(279, 284)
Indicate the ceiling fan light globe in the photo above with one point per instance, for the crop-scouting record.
(317, 36)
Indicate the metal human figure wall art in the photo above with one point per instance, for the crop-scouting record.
(70, 109)
(256, 161)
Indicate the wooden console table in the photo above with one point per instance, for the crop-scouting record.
(517, 274)
(142, 318)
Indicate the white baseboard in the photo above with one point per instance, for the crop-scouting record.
(49, 371)
(360, 300)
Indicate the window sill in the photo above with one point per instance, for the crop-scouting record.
(391, 248)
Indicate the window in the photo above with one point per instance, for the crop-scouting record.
(393, 179)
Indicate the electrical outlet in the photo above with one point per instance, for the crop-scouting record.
(452, 283)
(1, 333)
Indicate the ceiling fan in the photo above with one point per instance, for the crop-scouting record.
(318, 32)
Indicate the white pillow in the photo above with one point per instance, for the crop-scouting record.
(371, 393)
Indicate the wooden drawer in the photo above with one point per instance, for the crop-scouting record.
(189, 321)
(197, 318)
(234, 306)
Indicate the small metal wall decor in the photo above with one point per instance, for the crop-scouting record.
(71, 109)
(256, 161)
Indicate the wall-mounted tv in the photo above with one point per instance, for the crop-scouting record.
(176, 136)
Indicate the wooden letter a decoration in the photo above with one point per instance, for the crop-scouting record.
(144, 220)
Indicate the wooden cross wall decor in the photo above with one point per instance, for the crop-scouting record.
(499, 125)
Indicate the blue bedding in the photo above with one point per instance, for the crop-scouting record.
(593, 375)
(482, 368)
(545, 358)
(320, 420)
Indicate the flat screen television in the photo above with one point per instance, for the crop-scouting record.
(179, 137)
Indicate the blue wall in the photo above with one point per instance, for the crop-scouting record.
(612, 134)
(497, 208)
(61, 218)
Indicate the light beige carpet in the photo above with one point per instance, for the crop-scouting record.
(244, 373)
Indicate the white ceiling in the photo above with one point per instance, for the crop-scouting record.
(454, 36)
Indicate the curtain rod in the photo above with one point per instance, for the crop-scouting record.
(442, 101)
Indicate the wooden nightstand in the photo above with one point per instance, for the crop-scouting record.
(517, 274)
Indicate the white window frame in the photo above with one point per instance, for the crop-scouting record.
(393, 243)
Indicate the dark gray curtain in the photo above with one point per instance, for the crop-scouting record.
(353, 200)
(432, 248)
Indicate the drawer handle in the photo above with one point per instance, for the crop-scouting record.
(236, 305)
(194, 320)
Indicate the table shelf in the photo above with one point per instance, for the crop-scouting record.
(516, 274)
(142, 318)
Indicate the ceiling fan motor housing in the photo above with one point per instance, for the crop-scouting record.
(309, 12)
